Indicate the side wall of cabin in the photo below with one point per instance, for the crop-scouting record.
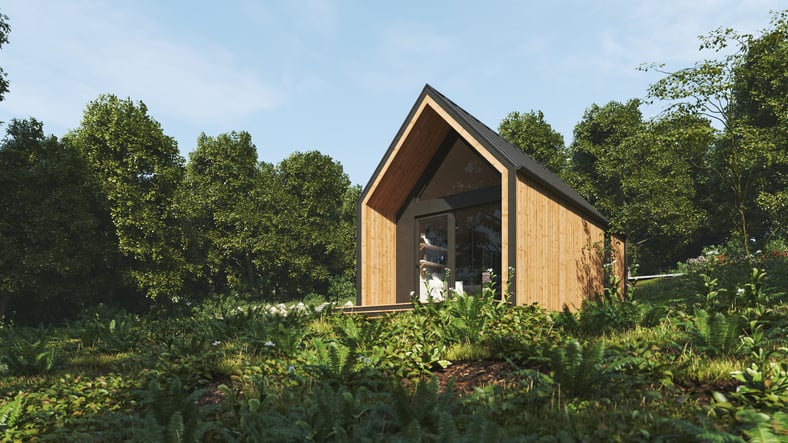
(559, 252)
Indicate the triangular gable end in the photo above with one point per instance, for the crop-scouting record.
(406, 160)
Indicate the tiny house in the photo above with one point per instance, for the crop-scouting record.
(452, 205)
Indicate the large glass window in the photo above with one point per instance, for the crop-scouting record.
(462, 170)
(477, 245)
(457, 221)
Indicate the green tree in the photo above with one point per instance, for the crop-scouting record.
(5, 29)
(57, 258)
(313, 224)
(760, 95)
(641, 175)
(531, 133)
(221, 179)
(139, 170)
(597, 136)
(744, 154)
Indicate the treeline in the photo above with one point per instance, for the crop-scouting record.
(111, 213)
(711, 169)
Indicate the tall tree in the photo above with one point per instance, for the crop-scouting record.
(5, 29)
(743, 154)
(139, 169)
(221, 178)
(641, 176)
(313, 223)
(761, 99)
(600, 133)
(531, 133)
(56, 255)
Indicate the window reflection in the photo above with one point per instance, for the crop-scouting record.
(461, 171)
(478, 245)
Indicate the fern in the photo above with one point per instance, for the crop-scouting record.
(10, 412)
(577, 369)
(173, 415)
(715, 335)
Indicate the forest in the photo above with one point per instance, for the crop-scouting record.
(149, 297)
(112, 214)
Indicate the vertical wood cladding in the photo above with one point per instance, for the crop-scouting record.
(559, 253)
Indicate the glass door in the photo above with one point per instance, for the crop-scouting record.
(435, 255)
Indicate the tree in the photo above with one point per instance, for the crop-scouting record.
(5, 29)
(743, 153)
(641, 176)
(139, 170)
(600, 133)
(314, 224)
(531, 133)
(760, 96)
(221, 178)
(56, 255)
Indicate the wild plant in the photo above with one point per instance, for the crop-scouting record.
(715, 334)
(764, 383)
(120, 334)
(713, 298)
(172, 414)
(274, 336)
(27, 351)
(333, 362)
(11, 411)
(522, 334)
(578, 369)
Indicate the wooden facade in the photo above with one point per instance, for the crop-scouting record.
(547, 238)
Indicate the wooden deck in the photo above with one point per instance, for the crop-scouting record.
(377, 310)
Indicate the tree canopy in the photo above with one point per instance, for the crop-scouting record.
(531, 133)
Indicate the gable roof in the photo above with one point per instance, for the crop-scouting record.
(507, 153)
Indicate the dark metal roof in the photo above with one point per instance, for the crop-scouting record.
(511, 155)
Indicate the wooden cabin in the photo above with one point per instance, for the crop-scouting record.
(453, 205)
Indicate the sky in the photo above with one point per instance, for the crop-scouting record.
(341, 76)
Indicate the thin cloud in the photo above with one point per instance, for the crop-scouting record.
(103, 48)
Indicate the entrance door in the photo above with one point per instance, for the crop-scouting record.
(460, 250)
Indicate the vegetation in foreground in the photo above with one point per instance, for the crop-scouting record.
(660, 366)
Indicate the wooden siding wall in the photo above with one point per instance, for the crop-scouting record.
(378, 258)
(618, 257)
(559, 253)
(417, 144)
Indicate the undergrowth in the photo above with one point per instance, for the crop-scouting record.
(702, 366)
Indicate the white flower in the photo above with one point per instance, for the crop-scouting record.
(269, 343)
(349, 304)
(216, 343)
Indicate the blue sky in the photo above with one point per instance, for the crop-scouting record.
(341, 76)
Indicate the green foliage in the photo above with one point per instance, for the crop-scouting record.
(715, 333)
(11, 411)
(641, 175)
(747, 158)
(27, 351)
(531, 133)
(578, 369)
(764, 383)
(139, 171)
(119, 334)
(222, 198)
(5, 29)
(172, 415)
(56, 255)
